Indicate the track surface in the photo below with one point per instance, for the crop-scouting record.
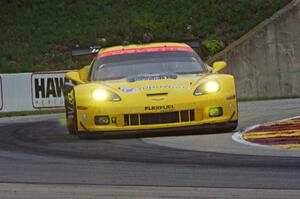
(250, 113)
(38, 159)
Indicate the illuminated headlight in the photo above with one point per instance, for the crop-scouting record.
(211, 87)
(104, 95)
(207, 87)
(100, 95)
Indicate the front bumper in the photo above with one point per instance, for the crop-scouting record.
(196, 129)
(184, 106)
(200, 118)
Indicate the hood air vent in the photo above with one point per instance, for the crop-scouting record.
(156, 94)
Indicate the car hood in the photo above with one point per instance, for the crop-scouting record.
(168, 85)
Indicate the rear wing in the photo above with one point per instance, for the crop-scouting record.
(89, 51)
(192, 43)
(95, 49)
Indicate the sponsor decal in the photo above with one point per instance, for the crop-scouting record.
(1, 94)
(71, 97)
(158, 99)
(129, 90)
(159, 108)
(153, 87)
(146, 50)
(47, 89)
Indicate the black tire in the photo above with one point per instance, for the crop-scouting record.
(84, 135)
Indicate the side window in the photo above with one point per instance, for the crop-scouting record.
(89, 76)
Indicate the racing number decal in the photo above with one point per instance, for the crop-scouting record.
(68, 91)
(71, 97)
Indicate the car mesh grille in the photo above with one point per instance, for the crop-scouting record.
(159, 118)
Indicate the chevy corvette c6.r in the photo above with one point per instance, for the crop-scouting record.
(154, 87)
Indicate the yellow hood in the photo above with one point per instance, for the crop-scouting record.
(181, 83)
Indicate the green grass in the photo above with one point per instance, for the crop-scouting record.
(37, 35)
(25, 113)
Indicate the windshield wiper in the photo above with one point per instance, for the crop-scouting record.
(186, 73)
(150, 76)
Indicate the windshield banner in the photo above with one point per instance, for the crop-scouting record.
(146, 50)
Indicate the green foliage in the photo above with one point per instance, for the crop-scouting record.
(213, 45)
(39, 34)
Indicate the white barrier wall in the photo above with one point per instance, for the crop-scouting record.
(31, 91)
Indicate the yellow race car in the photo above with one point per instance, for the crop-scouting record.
(149, 88)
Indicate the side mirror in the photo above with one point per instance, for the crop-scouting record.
(219, 65)
(74, 76)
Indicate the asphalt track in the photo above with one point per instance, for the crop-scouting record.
(38, 159)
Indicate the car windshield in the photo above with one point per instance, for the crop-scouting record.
(155, 63)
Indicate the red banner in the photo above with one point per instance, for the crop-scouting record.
(146, 50)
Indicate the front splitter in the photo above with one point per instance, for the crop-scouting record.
(194, 129)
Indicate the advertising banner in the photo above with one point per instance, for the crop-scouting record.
(47, 89)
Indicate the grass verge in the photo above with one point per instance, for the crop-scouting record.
(25, 113)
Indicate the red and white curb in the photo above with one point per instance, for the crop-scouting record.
(239, 136)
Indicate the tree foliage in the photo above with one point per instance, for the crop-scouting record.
(38, 34)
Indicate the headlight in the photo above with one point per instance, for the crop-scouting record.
(211, 86)
(104, 95)
(207, 87)
(100, 95)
